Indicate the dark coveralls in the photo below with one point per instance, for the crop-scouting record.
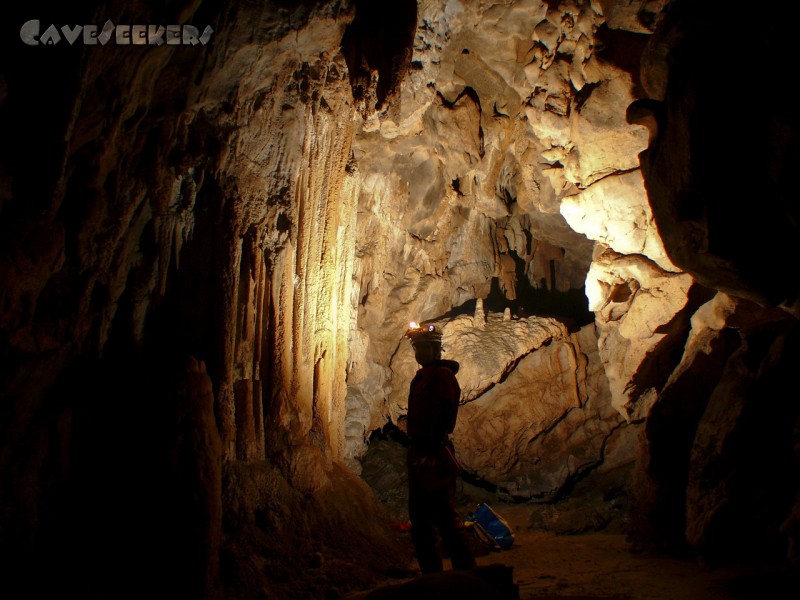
(432, 410)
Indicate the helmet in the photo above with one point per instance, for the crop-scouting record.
(425, 333)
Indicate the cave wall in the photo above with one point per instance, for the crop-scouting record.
(501, 166)
(725, 217)
(210, 254)
(176, 304)
(506, 163)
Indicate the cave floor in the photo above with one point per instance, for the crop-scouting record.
(602, 566)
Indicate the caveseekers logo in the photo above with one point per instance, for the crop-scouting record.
(123, 35)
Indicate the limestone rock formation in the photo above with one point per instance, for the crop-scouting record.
(506, 116)
(634, 301)
(544, 426)
(708, 429)
(204, 214)
(210, 253)
(615, 213)
(485, 354)
(536, 414)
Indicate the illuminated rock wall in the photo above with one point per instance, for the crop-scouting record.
(502, 154)
(507, 141)
(210, 255)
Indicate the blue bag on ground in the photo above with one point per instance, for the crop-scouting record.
(490, 527)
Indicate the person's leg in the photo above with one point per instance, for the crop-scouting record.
(452, 529)
(423, 534)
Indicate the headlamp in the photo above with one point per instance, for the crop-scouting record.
(426, 333)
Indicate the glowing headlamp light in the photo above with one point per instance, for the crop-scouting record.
(428, 333)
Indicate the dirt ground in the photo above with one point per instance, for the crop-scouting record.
(602, 566)
(580, 566)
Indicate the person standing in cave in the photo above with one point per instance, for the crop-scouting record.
(433, 401)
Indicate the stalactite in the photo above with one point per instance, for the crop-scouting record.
(326, 278)
(305, 283)
(249, 334)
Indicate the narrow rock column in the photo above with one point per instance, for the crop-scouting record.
(311, 290)
(479, 320)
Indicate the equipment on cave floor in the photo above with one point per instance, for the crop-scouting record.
(492, 529)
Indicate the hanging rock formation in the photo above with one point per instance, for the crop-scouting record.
(189, 255)
(506, 118)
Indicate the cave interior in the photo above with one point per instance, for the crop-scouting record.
(210, 253)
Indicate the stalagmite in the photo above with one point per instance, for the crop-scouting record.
(479, 318)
